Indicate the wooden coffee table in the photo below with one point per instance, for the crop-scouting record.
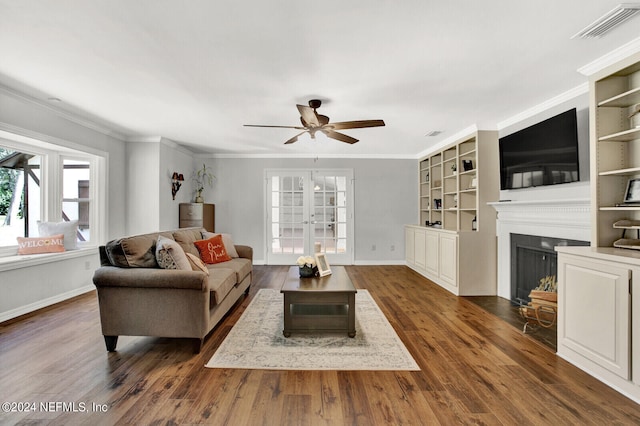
(319, 304)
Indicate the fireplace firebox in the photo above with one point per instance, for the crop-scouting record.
(532, 259)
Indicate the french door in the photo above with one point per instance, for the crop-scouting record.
(309, 211)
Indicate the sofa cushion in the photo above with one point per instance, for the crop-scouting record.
(241, 266)
(186, 237)
(221, 281)
(138, 251)
(212, 250)
(169, 254)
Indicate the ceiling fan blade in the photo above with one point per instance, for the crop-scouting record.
(308, 116)
(277, 127)
(295, 138)
(339, 136)
(355, 124)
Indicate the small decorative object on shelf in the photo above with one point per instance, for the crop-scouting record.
(307, 266)
(454, 168)
(467, 165)
(474, 224)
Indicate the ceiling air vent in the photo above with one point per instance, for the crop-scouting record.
(609, 21)
(433, 133)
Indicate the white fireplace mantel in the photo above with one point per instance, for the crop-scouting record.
(557, 218)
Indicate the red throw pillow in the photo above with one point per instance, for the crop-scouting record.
(212, 250)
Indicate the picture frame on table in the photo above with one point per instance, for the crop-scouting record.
(323, 264)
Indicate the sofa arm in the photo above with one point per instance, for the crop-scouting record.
(112, 276)
(245, 252)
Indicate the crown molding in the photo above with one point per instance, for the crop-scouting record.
(74, 118)
(546, 105)
(611, 58)
(313, 156)
(451, 139)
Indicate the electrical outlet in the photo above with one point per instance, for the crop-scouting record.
(87, 265)
(373, 247)
(393, 247)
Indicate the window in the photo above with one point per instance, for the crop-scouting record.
(40, 181)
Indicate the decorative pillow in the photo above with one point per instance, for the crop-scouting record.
(38, 245)
(197, 264)
(212, 250)
(226, 240)
(69, 229)
(170, 255)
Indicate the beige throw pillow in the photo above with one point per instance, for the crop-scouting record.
(170, 255)
(197, 264)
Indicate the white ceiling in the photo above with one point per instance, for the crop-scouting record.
(196, 71)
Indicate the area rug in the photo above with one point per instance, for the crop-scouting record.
(256, 341)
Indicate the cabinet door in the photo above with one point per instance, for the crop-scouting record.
(593, 304)
(420, 248)
(409, 245)
(432, 247)
(449, 259)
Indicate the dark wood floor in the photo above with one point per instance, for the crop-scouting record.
(510, 313)
(476, 369)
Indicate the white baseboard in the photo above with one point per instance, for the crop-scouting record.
(13, 313)
(379, 262)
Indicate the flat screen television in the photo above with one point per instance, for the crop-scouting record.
(543, 154)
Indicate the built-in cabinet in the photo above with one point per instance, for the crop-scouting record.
(198, 214)
(615, 151)
(598, 327)
(599, 286)
(456, 223)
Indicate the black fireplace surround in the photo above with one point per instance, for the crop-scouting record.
(533, 258)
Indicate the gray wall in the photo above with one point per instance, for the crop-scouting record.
(385, 198)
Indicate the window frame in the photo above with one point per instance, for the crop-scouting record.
(53, 153)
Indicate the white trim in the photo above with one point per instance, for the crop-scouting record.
(22, 310)
(611, 58)
(379, 262)
(18, 261)
(544, 106)
(40, 140)
(311, 155)
(75, 118)
(451, 139)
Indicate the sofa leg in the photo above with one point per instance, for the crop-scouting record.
(197, 345)
(246, 291)
(111, 342)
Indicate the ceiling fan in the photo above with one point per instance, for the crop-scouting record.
(313, 122)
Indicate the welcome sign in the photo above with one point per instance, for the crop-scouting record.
(39, 245)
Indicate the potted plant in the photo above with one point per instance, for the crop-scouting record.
(202, 177)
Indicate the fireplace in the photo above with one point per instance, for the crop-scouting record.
(532, 259)
(562, 218)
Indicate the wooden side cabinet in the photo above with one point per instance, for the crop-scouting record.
(198, 214)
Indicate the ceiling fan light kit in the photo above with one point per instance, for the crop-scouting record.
(313, 122)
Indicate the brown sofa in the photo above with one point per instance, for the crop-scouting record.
(138, 298)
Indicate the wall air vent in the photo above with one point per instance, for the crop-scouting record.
(433, 133)
(609, 21)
